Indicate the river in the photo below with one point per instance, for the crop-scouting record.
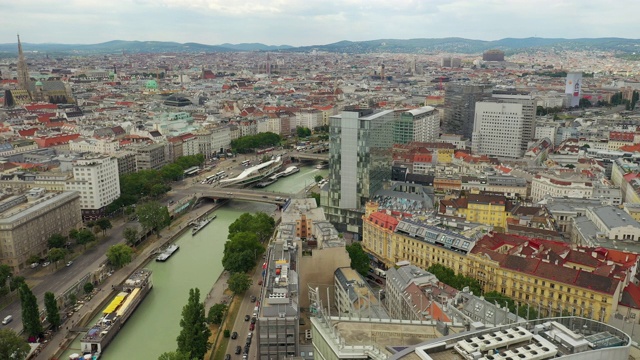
(154, 327)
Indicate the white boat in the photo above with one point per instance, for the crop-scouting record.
(254, 173)
(199, 225)
(166, 254)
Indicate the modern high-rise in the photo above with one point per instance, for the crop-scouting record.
(459, 106)
(504, 125)
(360, 142)
(97, 180)
(421, 125)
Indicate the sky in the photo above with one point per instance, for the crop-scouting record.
(310, 22)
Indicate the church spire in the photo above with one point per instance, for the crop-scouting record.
(23, 71)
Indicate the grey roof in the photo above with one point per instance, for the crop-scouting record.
(614, 217)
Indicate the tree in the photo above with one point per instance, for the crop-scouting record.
(85, 236)
(303, 131)
(315, 196)
(241, 252)
(174, 355)
(88, 288)
(153, 216)
(104, 225)
(57, 254)
(51, 306)
(131, 235)
(216, 314)
(56, 241)
(359, 258)
(194, 336)
(30, 313)
(33, 259)
(12, 346)
(172, 172)
(239, 282)
(318, 178)
(259, 223)
(119, 255)
(5, 274)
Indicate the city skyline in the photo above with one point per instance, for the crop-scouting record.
(300, 23)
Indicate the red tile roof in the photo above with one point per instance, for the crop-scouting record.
(384, 220)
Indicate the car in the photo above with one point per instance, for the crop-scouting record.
(35, 265)
(247, 318)
(246, 348)
(253, 298)
(238, 349)
(252, 326)
(229, 193)
(253, 320)
(69, 263)
(46, 263)
(260, 282)
(227, 357)
(234, 335)
(248, 342)
(171, 202)
(265, 196)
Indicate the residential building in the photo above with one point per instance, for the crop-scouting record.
(458, 141)
(509, 186)
(309, 118)
(421, 125)
(220, 139)
(97, 180)
(190, 145)
(403, 284)
(609, 223)
(174, 148)
(126, 162)
(491, 210)
(568, 184)
(151, 157)
(28, 220)
(204, 143)
(96, 146)
(359, 163)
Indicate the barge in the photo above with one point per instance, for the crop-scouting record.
(131, 294)
(166, 254)
(199, 225)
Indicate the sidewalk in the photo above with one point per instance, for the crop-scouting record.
(62, 338)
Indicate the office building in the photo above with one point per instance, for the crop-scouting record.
(355, 298)
(359, 163)
(422, 125)
(459, 107)
(98, 182)
(151, 157)
(493, 55)
(503, 125)
(28, 220)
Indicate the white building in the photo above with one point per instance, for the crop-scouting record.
(220, 139)
(614, 223)
(426, 123)
(573, 186)
(546, 130)
(190, 145)
(503, 126)
(98, 146)
(97, 180)
(309, 118)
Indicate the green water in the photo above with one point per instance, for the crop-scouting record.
(153, 328)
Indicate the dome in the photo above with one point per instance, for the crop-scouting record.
(151, 84)
(38, 83)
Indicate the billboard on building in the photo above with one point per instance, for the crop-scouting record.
(573, 87)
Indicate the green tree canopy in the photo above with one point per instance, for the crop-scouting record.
(448, 276)
(131, 235)
(153, 216)
(316, 196)
(88, 288)
(51, 307)
(119, 255)
(30, 313)
(57, 254)
(525, 310)
(318, 178)
(239, 282)
(84, 236)
(241, 252)
(303, 131)
(216, 313)
(12, 346)
(171, 172)
(174, 355)
(57, 241)
(359, 258)
(194, 335)
(249, 143)
(104, 224)
(259, 223)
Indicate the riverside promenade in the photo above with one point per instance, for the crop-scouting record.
(68, 330)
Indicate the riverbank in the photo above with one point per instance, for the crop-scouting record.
(73, 327)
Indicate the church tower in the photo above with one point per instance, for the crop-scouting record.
(23, 71)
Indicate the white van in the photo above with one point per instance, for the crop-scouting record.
(7, 319)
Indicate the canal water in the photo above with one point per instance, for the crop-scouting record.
(153, 328)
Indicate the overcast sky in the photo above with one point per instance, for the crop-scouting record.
(310, 22)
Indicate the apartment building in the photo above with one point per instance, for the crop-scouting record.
(96, 146)
(126, 162)
(354, 297)
(97, 181)
(151, 157)
(568, 184)
(509, 186)
(421, 125)
(486, 209)
(28, 220)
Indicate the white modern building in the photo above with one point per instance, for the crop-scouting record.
(97, 180)
(504, 125)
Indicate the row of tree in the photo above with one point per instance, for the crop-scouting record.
(449, 277)
(246, 236)
(151, 184)
(246, 144)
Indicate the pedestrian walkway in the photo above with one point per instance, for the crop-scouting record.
(64, 336)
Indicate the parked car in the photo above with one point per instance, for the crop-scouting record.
(227, 357)
(46, 263)
(35, 265)
(253, 298)
(247, 318)
(252, 326)
(238, 349)
(69, 263)
(234, 335)
(253, 320)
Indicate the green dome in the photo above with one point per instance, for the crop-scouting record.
(151, 84)
(38, 83)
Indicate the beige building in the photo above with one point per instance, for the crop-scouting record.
(28, 220)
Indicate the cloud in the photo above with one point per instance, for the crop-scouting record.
(308, 22)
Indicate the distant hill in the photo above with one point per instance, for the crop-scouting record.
(453, 45)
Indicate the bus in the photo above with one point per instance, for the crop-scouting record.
(264, 151)
(246, 163)
(194, 170)
(220, 174)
